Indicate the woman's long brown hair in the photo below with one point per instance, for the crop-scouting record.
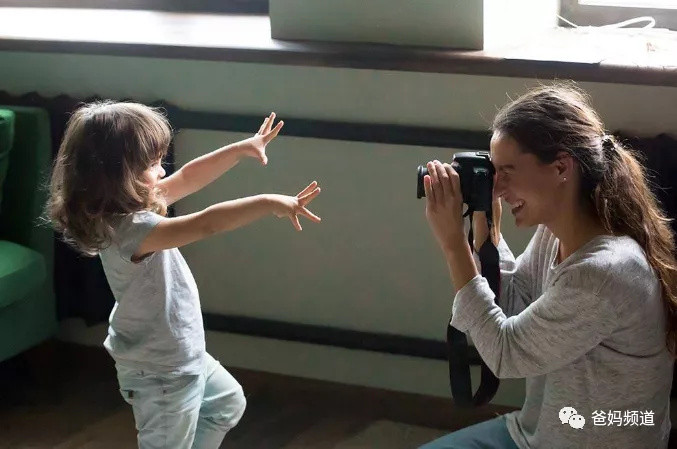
(555, 118)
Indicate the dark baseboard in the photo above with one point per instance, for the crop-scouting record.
(332, 336)
(294, 126)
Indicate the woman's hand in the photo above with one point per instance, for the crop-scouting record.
(293, 206)
(444, 205)
(481, 226)
(256, 146)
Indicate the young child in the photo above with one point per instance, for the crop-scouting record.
(108, 196)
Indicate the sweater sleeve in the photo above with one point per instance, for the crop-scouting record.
(561, 325)
(516, 275)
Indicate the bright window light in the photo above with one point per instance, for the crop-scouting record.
(663, 4)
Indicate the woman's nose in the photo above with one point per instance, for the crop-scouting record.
(162, 172)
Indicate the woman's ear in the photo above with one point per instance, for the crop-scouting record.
(564, 165)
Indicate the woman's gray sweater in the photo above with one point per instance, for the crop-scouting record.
(588, 333)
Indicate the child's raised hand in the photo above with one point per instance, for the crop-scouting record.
(293, 206)
(256, 146)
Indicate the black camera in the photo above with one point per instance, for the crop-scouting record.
(476, 173)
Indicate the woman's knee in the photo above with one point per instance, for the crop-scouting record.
(445, 442)
(492, 433)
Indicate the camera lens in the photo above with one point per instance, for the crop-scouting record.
(420, 189)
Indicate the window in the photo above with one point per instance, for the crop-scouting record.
(215, 6)
(605, 12)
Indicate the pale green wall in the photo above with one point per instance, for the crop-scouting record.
(428, 99)
(372, 264)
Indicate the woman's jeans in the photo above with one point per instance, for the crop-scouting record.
(492, 434)
(182, 412)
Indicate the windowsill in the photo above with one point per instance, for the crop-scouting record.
(605, 56)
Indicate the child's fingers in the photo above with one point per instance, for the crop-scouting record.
(269, 124)
(310, 187)
(307, 198)
(310, 215)
(295, 221)
(270, 136)
(262, 128)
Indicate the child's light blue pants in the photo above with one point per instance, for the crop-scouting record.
(183, 412)
(491, 434)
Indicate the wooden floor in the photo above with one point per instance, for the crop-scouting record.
(66, 397)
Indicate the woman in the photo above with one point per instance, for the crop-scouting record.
(588, 313)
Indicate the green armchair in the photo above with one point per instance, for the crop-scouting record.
(27, 301)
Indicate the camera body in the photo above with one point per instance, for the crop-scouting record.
(476, 173)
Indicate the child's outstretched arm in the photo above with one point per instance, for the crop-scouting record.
(227, 216)
(202, 170)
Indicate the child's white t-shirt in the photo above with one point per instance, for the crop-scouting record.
(156, 323)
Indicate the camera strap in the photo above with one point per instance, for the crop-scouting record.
(457, 344)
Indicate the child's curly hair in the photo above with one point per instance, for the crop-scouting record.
(97, 176)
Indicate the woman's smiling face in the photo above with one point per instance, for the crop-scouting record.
(529, 186)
